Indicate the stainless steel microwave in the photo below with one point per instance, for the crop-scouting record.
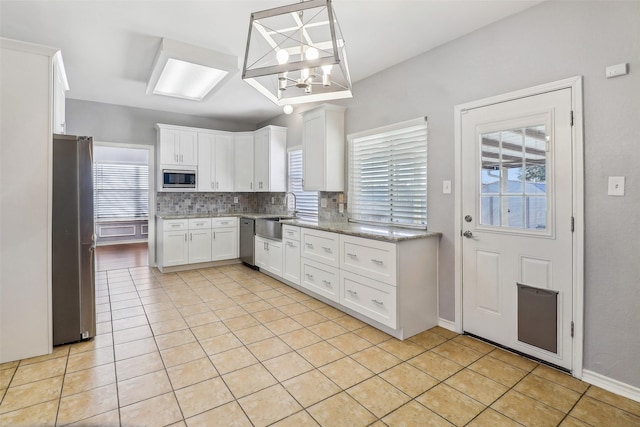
(183, 179)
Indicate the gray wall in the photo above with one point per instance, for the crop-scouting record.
(552, 41)
(117, 123)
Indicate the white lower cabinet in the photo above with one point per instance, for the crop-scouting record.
(268, 255)
(224, 243)
(373, 299)
(291, 265)
(199, 246)
(321, 279)
(196, 241)
(291, 260)
(175, 248)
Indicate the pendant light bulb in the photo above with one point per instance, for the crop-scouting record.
(326, 69)
(288, 109)
(282, 56)
(312, 53)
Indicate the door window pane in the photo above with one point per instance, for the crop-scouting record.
(513, 178)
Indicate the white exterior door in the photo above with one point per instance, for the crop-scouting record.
(517, 216)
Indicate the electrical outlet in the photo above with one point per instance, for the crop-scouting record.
(273, 200)
(235, 200)
(323, 202)
(341, 207)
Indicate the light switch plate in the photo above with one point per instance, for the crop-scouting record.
(446, 187)
(235, 200)
(616, 70)
(323, 202)
(616, 186)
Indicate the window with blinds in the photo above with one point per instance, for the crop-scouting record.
(388, 175)
(120, 190)
(306, 201)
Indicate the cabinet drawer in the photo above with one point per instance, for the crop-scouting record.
(369, 258)
(175, 224)
(291, 232)
(373, 299)
(231, 221)
(321, 279)
(199, 223)
(320, 246)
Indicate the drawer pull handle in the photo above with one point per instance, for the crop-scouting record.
(350, 255)
(326, 282)
(175, 225)
(375, 301)
(352, 292)
(309, 245)
(376, 261)
(309, 276)
(199, 223)
(224, 222)
(289, 232)
(326, 249)
(291, 245)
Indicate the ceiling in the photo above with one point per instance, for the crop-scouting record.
(108, 47)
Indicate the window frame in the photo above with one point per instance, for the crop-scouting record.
(301, 196)
(415, 133)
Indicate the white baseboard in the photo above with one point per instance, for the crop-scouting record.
(447, 324)
(609, 384)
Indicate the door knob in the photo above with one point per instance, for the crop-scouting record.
(467, 234)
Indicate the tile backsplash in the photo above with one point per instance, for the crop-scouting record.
(179, 203)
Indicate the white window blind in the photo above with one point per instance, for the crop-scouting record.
(120, 190)
(388, 175)
(306, 201)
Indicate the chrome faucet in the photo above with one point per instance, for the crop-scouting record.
(295, 202)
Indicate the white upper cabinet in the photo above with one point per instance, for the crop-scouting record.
(323, 148)
(215, 161)
(60, 86)
(243, 161)
(177, 146)
(270, 155)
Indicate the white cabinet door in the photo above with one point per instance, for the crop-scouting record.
(169, 147)
(323, 148)
(59, 88)
(261, 160)
(268, 255)
(274, 251)
(291, 260)
(260, 252)
(224, 243)
(199, 246)
(175, 248)
(188, 149)
(223, 162)
(243, 162)
(270, 159)
(178, 147)
(313, 151)
(205, 179)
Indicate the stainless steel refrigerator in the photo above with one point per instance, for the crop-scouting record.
(73, 240)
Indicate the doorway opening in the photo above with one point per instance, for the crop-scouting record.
(124, 204)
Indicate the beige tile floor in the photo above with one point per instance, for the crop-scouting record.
(229, 346)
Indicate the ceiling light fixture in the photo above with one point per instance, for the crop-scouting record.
(190, 72)
(296, 54)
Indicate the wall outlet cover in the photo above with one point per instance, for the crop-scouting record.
(235, 200)
(615, 186)
(323, 202)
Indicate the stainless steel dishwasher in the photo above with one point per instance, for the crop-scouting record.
(247, 233)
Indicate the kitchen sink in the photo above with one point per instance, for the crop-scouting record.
(271, 228)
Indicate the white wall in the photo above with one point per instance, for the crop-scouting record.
(549, 42)
(129, 125)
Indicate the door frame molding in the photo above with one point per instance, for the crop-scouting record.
(575, 84)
